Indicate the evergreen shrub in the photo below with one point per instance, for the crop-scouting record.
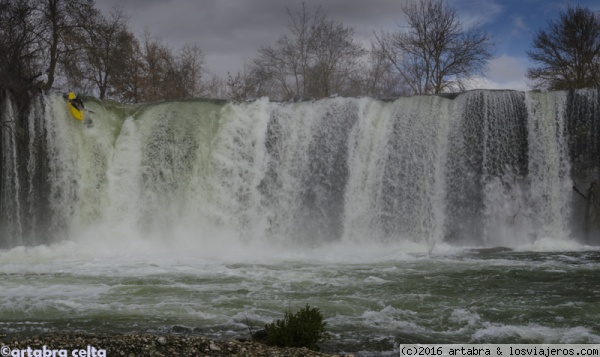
(305, 328)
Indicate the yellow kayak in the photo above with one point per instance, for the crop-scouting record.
(77, 113)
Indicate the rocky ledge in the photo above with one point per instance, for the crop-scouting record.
(143, 345)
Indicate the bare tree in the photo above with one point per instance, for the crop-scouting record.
(57, 18)
(236, 87)
(104, 41)
(128, 80)
(377, 77)
(315, 59)
(192, 68)
(436, 53)
(180, 75)
(156, 58)
(284, 68)
(249, 83)
(567, 54)
(184, 72)
(151, 71)
(20, 49)
(335, 57)
(292, 54)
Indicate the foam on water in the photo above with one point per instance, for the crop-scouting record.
(533, 332)
(390, 297)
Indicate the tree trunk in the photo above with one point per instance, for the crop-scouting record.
(53, 13)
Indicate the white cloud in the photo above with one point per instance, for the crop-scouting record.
(479, 82)
(478, 11)
(519, 26)
(504, 72)
(506, 67)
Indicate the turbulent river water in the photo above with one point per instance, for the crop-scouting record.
(205, 217)
(372, 299)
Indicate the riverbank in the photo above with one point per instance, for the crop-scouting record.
(144, 345)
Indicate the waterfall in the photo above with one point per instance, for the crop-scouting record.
(10, 202)
(485, 168)
(549, 165)
(397, 160)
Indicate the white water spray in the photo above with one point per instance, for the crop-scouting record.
(485, 168)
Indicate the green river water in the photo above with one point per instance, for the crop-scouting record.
(372, 300)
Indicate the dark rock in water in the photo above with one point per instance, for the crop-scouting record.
(260, 336)
(181, 329)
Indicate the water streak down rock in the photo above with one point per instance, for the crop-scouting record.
(486, 168)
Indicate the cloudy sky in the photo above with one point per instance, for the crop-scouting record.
(229, 32)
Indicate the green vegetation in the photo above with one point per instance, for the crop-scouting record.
(305, 328)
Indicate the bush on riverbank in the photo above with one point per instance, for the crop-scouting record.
(305, 328)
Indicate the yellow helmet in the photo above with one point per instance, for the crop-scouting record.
(71, 95)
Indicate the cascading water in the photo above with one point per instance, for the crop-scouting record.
(485, 168)
(396, 184)
(199, 216)
(10, 203)
(23, 184)
(548, 204)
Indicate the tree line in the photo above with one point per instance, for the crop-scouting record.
(70, 44)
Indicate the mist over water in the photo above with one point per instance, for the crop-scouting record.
(188, 216)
